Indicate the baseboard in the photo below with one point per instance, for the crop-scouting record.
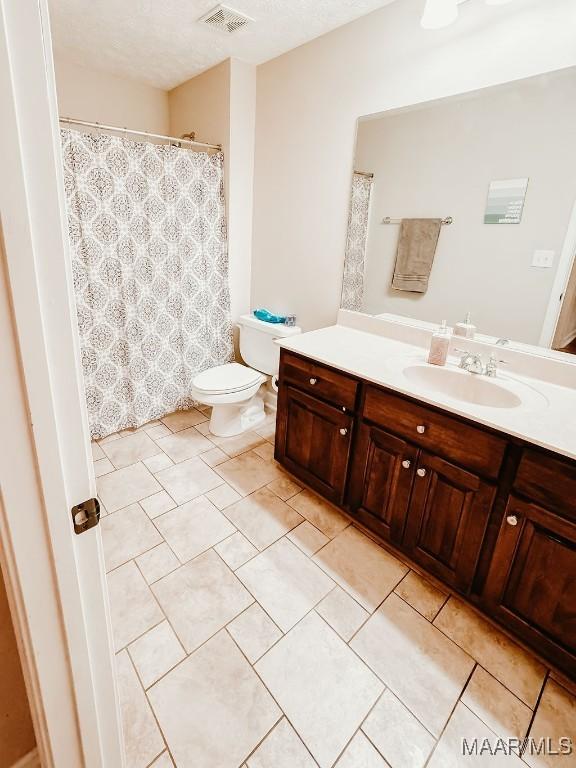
(31, 760)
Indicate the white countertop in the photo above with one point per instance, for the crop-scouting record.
(547, 419)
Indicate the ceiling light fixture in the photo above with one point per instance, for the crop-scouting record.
(439, 13)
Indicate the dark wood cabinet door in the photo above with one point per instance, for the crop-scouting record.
(531, 584)
(447, 520)
(381, 481)
(313, 441)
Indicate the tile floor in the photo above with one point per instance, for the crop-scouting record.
(255, 628)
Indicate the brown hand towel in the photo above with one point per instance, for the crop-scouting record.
(416, 248)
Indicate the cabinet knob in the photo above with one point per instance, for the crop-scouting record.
(313, 381)
(406, 463)
(512, 520)
(420, 429)
(343, 431)
(421, 472)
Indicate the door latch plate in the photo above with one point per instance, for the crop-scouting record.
(86, 515)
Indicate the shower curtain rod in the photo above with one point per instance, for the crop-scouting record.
(102, 127)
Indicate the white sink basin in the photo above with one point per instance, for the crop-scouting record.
(472, 388)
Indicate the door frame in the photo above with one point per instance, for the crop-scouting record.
(56, 578)
(563, 271)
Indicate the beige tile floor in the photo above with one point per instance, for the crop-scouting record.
(255, 628)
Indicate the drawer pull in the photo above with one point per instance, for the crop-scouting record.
(406, 463)
(420, 429)
(313, 381)
(343, 431)
(512, 520)
(421, 472)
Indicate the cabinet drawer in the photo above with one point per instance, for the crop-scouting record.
(465, 445)
(548, 480)
(318, 380)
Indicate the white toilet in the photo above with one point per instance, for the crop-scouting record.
(233, 390)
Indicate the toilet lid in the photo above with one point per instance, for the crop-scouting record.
(232, 377)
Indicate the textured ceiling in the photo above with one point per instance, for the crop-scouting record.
(159, 42)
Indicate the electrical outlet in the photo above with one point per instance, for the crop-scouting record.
(543, 259)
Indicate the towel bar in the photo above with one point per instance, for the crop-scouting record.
(388, 220)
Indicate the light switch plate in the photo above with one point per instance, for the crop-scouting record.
(543, 259)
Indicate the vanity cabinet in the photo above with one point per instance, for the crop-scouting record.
(490, 516)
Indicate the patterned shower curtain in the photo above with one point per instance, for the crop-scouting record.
(150, 265)
(355, 255)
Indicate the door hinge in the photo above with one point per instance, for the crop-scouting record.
(86, 515)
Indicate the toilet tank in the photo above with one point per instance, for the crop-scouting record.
(257, 345)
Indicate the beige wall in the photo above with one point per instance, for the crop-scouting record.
(16, 731)
(202, 104)
(438, 160)
(241, 183)
(308, 101)
(219, 105)
(99, 97)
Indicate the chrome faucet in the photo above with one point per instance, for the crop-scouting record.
(471, 362)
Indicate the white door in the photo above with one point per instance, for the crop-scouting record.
(83, 727)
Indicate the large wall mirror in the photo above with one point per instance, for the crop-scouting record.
(467, 205)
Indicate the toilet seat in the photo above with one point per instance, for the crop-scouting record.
(226, 379)
(233, 392)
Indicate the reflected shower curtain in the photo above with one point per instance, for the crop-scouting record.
(355, 255)
(147, 230)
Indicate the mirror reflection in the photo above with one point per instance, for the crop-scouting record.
(463, 209)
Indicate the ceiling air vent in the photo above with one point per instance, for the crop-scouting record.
(225, 19)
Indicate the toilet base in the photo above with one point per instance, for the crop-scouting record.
(231, 419)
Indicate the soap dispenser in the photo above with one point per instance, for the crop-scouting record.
(465, 329)
(439, 345)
